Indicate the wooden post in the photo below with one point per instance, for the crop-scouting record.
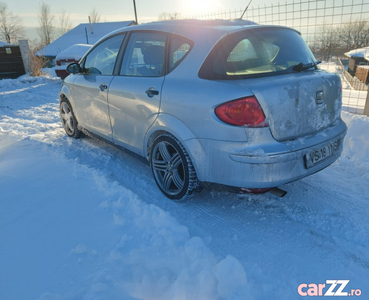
(26, 55)
(366, 107)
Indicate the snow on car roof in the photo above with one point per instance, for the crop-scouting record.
(74, 52)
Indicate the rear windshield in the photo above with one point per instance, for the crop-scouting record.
(257, 52)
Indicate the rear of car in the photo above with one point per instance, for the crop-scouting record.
(267, 114)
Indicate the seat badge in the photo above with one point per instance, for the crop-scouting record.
(319, 97)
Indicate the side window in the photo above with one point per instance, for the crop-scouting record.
(101, 60)
(179, 47)
(145, 55)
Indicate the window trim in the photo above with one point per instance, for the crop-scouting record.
(123, 49)
(168, 42)
(188, 41)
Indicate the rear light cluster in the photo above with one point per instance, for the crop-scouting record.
(67, 61)
(242, 112)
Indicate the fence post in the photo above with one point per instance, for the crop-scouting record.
(26, 55)
(366, 107)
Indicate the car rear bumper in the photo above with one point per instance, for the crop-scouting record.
(270, 164)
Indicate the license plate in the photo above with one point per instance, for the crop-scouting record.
(318, 155)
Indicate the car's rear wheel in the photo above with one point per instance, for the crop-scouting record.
(69, 121)
(172, 168)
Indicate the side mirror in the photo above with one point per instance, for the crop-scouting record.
(74, 68)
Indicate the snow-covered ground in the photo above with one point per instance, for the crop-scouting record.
(80, 219)
(352, 101)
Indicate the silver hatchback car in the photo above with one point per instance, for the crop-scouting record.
(209, 102)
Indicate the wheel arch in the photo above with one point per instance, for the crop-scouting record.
(69, 120)
(167, 124)
(64, 93)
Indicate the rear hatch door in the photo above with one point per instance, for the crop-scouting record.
(298, 104)
(275, 64)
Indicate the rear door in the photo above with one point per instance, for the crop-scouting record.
(90, 89)
(135, 93)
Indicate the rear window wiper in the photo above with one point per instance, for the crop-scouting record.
(302, 67)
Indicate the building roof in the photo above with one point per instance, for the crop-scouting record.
(81, 35)
(361, 52)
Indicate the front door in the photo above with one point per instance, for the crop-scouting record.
(90, 88)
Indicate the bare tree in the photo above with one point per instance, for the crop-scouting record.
(95, 16)
(11, 29)
(328, 42)
(46, 21)
(169, 16)
(355, 34)
(64, 23)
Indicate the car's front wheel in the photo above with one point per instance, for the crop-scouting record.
(172, 168)
(68, 119)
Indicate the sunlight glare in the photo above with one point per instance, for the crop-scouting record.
(196, 7)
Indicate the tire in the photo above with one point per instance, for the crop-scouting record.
(68, 119)
(172, 168)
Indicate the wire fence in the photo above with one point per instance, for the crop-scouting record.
(330, 27)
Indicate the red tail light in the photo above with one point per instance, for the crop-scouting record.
(242, 112)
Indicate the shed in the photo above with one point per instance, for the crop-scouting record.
(11, 62)
(357, 57)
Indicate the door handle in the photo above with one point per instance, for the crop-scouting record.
(103, 87)
(151, 92)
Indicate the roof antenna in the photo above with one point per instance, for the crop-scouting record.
(245, 9)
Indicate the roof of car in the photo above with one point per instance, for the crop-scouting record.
(202, 23)
(193, 27)
(203, 32)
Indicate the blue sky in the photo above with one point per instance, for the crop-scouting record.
(120, 10)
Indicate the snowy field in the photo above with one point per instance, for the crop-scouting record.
(80, 219)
